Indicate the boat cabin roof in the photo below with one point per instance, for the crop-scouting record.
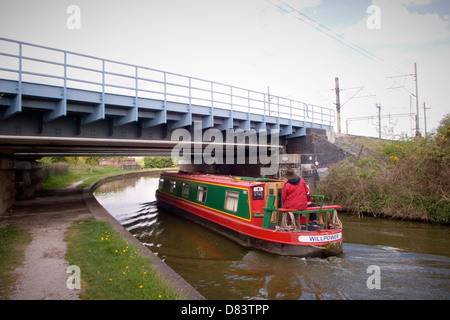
(220, 179)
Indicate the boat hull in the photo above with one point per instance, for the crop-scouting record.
(265, 240)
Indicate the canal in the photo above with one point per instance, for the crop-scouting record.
(406, 260)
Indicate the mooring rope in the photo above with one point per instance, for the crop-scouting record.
(284, 223)
(335, 220)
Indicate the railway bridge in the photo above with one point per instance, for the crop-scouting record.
(55, 102)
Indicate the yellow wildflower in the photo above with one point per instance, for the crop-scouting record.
(394, 159)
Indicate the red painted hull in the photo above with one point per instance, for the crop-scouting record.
(305, 243)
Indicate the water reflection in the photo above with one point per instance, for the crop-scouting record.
(413, 257)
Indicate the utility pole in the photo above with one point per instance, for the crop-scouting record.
(425, 117)
(417, 101)
(402, 86)
(379, 119)
(338, 104)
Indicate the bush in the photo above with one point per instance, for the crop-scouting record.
(409, 178)
(158, 162)
(54, 169)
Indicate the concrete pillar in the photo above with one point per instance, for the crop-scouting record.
(28, 179)
(7, 189)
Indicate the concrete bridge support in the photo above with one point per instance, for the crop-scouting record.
(20, 180)
(309, 156)
(7, 188)
(28, 179)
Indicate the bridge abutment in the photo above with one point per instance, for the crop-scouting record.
(7, 187)
(20, 180)
(309, 155)
(28, 179)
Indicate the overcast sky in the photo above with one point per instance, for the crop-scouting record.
(295, 47)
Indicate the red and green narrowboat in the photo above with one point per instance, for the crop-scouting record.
(249, 211)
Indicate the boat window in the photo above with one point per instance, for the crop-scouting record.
(173, 186)
(185, 190)
(231, 200)
(280, 198)
(258, 193)
(201, 195)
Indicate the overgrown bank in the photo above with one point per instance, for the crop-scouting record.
(408, 179)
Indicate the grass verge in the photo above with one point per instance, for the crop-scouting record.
(12, 247)
(81, 172)
(111, 268)
(86, 173)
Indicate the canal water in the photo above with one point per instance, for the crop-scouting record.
(382, 259)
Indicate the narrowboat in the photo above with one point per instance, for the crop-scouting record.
(249, 211)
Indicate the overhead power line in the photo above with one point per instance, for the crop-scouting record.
(330, 33)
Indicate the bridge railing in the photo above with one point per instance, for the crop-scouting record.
(26, 62)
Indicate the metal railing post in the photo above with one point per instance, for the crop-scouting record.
(212, 94)
(136, 85)
(165, 89)
(20, 65)
(190, 92)
(248, 99)
(231, 97)
(103, 80)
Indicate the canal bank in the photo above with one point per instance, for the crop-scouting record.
(42, 275)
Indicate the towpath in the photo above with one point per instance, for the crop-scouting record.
(42, 275)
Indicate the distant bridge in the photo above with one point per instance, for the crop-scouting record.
(60, 102)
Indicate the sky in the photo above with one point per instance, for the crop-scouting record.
(294, 48)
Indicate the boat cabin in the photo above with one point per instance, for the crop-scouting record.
(255, 200)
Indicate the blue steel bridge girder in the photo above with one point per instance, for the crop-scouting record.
(92, 107)
(92, 90)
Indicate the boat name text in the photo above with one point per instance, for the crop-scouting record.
(321, 238)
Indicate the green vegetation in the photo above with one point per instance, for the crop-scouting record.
(158, 162)
(111, 268)
(408, 179)
(61, 172)
(76, 173)
(12, 247)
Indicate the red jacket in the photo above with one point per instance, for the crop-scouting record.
(295, 193)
